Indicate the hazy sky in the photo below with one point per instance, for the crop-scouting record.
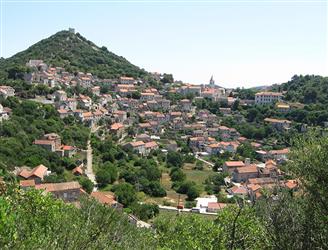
(241, 43)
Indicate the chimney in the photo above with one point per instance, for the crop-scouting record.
(247, 161)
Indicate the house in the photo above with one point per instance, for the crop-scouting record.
(64, 113)
(278, 123)
(213, 148)
(127, 80)
(282, 107)
(254, 191)
(264, 181)
(4, 114)
(7, 91)
(53, 137)
(37, 174)
(95, 90)
(231, 166)
(267, 97)
(245, 173)
(107, 198)
(85, 102)
(214, 207)
(147, 96)
(46, 144)
(67, 191)
(190, 89)
(143, 137)
(239, 191)
(185, 105)
(228, 146)
(137, 146)
(150, 146)
(225, 111)
(279, 155)
(202, 202)
(69, 151)
(60, 96)
(26, 184)
(117, 129)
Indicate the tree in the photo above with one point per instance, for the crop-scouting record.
(107, 174)
(174, 159)
(192, 193)
(246, 150)
(145, 211)
(167, 78)
(86, 184)
(33, 220)
(177, 175)
(125, 193)
(213, 183)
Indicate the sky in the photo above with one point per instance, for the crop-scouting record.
(241, 43)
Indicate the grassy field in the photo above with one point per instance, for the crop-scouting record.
(198, 176)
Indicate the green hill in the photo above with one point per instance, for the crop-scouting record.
(74, 53)
(308, 89)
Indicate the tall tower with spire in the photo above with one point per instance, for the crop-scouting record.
(212, 82)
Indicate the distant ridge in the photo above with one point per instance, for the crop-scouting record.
(75, 53)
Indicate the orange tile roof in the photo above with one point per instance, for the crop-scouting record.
(104, 197)
(216, 205)
(151, 144)
(27, 183)
(116, 126)
(234, 164)
(247, 169)
(53, 187)
(137, 143)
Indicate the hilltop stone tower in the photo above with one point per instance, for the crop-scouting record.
(71, 30)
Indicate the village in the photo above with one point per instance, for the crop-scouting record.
(144, 119)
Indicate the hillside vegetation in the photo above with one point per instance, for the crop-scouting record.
(307, 89)
(74, 53)
(30, 220)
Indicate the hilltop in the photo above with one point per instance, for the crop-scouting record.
(75, 53)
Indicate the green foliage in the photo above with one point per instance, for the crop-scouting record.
(86, 184)
(145, 211)
(30, 121)
(189, 188)
(125, 193)
(174, 159)
(306, 89)
(167, 78)
(177, 175)
(107, 174)
(214, 182)
(35, 221)
(246, 150)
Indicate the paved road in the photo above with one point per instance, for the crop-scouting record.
(206, 162)
(89, 170)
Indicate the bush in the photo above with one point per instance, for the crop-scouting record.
(125, 193)
(177, 175)
(190, 204)
(192, 193)
(145, 211)
(86, 184)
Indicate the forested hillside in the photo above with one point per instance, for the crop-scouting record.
(309, 89)
(74, 53)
